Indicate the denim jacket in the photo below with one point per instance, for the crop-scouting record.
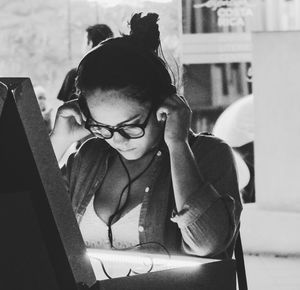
(209, 221)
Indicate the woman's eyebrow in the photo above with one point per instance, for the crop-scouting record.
(130, 119)
(133, 118)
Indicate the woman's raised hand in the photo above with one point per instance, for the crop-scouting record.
(69, 123)
(176, 114)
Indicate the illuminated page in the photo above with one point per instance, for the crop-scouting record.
(113, 264)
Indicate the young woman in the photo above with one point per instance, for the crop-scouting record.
(145, 179)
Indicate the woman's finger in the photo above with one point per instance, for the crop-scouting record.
(67, 111)
(176, 101)
(78, 119)
(184, 100)
(83, 117)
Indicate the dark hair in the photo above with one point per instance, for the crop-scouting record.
(97, 33)
(67, 90)
(129, 63)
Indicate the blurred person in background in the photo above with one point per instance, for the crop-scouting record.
(93, 36)
(236, 127)
(45, 107)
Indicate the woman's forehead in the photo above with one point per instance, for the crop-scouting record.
(114, 97)
(113, 107)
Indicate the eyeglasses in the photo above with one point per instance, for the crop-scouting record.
(130, 131)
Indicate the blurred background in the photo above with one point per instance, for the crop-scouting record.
(43, 39)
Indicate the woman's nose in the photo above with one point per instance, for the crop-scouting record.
(118, 138)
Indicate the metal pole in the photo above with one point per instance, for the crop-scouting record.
(97, 11)
(69, 30)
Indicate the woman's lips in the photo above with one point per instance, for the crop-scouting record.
(125, 150)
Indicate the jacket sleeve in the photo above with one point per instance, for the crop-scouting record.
(81, 167)
(209, 220)
(66, 171)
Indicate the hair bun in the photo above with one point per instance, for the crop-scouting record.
(144, 31)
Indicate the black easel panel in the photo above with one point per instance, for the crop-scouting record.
(38, 205)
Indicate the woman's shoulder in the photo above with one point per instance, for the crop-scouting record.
(92, 148)
(205, 139)
(86, 158)
(205, 143)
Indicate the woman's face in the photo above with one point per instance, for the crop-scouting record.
(113, 108)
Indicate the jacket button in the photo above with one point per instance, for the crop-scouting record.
(147, 189)
(141, 229)
(158, 153)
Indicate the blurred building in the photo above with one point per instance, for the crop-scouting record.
(217, 49)
(220, 40)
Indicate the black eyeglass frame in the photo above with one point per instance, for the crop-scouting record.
(111, 129)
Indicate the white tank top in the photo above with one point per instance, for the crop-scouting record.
(95, 231)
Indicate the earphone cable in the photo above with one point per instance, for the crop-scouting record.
(130, 181)
(130, 270)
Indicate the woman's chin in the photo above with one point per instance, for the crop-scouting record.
(131, 154)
